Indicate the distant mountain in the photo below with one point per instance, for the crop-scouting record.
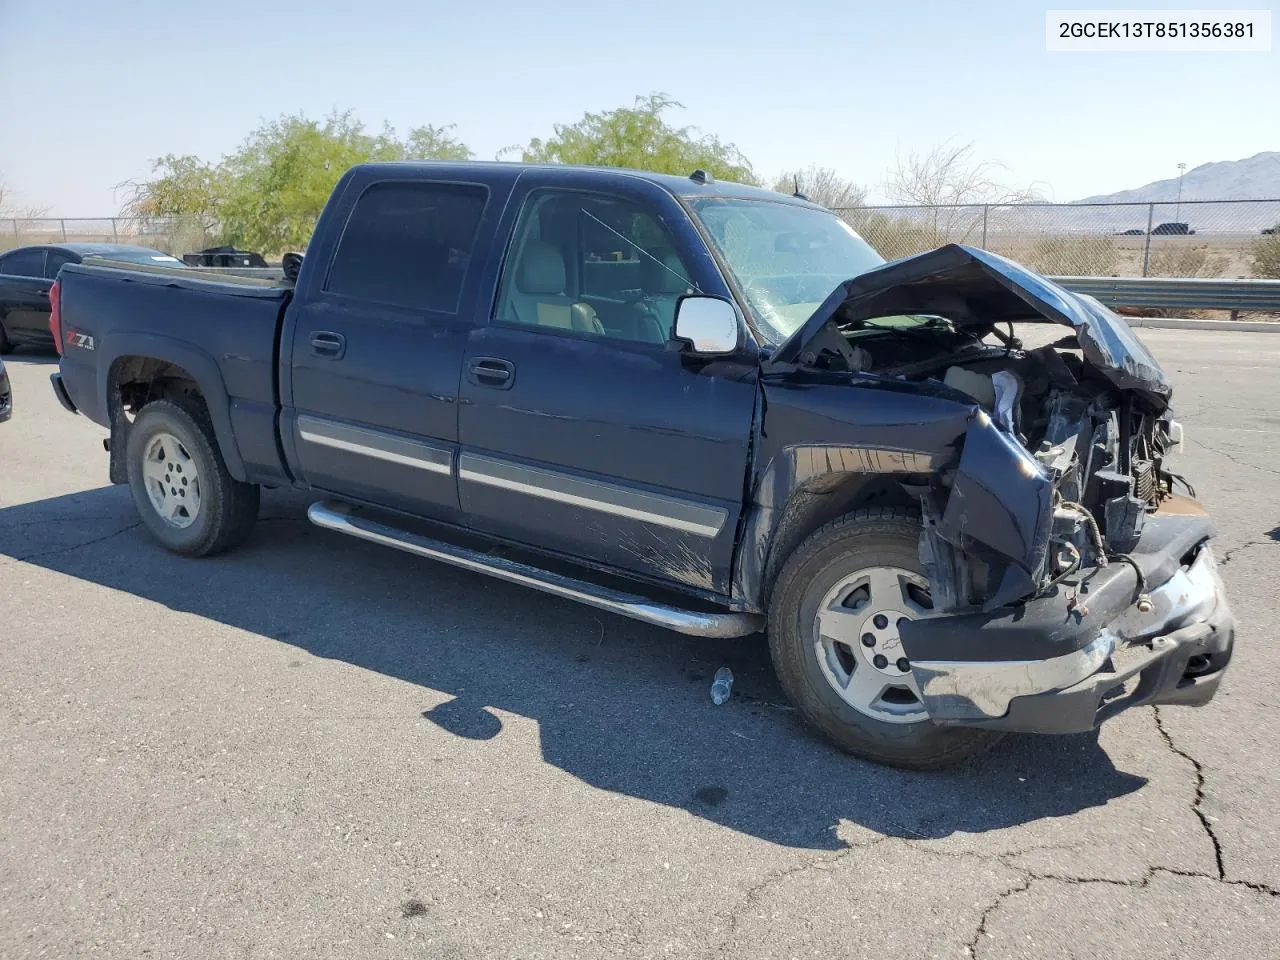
(1257, 178)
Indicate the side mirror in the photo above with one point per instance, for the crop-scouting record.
(708, 324)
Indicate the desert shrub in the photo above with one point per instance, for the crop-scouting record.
(893, 237)
(1177, 260)
(1264, 256)
(1073, 256)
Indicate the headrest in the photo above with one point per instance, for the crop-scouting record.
(541, 269)
(663, 275)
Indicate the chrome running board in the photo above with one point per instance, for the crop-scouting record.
(338, 517)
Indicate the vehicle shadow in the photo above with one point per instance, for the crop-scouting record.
(620, 705)
(35, 356)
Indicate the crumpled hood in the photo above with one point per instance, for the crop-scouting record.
(973, 287)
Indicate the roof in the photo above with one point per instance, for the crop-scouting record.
(679, 186)
(89, 249)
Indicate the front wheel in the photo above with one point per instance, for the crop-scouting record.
(833, 635)
(180, 484)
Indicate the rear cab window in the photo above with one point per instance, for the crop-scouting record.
(408, 243)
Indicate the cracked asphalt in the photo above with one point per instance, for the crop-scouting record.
(317, 747)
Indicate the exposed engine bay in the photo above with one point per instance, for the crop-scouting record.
(1103, 451)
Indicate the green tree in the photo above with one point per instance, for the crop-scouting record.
(181, 186)
(269, 192)
(435, 143)
(282, 175)
(641, 138)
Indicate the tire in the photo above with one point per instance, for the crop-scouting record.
(209, 510)
(6, 345)
(854, 562)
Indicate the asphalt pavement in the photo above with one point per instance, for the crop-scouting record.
(315, 747)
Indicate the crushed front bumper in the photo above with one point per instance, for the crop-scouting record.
(1096, 646)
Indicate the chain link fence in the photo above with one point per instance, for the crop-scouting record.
(1212, 238)
(172, 235)
(1217, 238)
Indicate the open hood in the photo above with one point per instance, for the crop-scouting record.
(974, 288)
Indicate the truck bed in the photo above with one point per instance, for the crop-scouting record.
(221, 329)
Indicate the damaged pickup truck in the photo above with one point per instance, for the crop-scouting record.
(700, 405)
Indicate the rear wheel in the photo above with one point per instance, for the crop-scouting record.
(180, 484)
(834, 636)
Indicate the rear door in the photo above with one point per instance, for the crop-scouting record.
(584, 429)
(24, 296)
(377, 339)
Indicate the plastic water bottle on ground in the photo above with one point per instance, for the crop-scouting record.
(721, 686)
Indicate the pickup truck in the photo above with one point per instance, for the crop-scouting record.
(700, 405)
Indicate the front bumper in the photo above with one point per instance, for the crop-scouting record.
(1115, 645)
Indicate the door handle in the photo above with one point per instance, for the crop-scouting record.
(329, 345)
(492, 372)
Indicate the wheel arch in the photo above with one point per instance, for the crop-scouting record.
(141, 367)
(805, 487)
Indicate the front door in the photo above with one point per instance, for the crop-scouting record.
(584, 428)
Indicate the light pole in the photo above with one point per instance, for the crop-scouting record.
(1177, 208)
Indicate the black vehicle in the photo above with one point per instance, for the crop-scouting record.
(27, 273)
(6, 394)
(224, 257)
(1172, 228)
(701, 405)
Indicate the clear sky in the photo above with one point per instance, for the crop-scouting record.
(91, 91)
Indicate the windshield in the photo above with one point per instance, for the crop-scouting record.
(785, 258)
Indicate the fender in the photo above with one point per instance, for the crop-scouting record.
(805, 486)
(203, 369)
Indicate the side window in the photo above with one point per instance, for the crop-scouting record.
(55, 262)
(408, 243)
(592, 264)
(23, 263)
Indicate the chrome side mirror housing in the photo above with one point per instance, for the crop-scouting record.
(708, 324)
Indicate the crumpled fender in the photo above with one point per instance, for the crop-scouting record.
(1000, 509)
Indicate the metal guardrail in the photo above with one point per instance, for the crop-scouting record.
(1255, 296)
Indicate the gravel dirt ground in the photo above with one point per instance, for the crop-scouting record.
(313, 747)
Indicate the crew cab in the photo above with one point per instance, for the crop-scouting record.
(700, 405)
